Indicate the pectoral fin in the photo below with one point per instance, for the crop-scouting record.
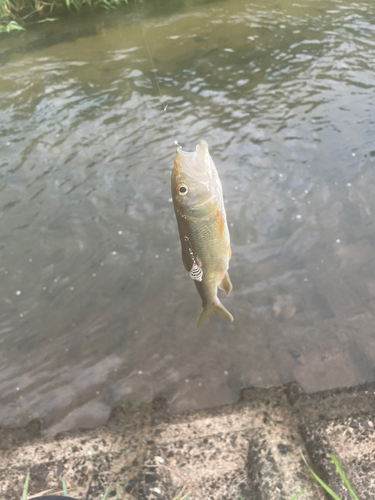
(226, 284)
(217, 308)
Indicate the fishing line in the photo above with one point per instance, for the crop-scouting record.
(154, 71)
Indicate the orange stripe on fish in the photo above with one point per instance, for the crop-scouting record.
(221, 221)
(229, 253)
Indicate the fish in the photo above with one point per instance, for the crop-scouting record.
(202, 224)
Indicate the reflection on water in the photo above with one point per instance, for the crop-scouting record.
(95, 305)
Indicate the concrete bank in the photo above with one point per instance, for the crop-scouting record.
(249, 450)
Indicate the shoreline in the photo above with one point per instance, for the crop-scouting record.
(250, 448)
(17, 15)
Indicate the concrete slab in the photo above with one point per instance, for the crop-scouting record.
(342, 423)
(248, 450)
(88, 460)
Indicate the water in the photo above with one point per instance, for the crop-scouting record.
(95, 305)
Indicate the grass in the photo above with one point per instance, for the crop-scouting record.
(14, 14)
(187, 496)
(65, 489)
(341, 473)
(240, 497)
(181, 496)
(298, 494)
(26, 486)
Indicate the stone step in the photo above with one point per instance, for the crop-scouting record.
(249, 450)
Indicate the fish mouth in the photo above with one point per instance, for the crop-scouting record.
(197, 162)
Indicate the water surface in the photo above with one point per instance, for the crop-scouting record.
(95, 306)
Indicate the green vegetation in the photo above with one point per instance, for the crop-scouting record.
(185, 497)
(106, 492)
(298, 494)
(342, 474)
(64, 489)
(14, 14)
(240, 497)
(26, 486)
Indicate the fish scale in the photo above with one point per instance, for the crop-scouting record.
(209, 247)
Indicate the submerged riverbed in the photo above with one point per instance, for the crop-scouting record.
(95, 306)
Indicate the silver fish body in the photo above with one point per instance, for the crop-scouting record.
(199, 207)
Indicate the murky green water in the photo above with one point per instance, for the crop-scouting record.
(95, 306)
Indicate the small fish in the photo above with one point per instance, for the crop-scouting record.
(199, 206)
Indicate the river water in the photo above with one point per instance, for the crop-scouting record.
(95, 306)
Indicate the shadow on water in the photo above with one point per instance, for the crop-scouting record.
(95, 305)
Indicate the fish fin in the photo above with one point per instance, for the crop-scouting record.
(226, 284)
(196, 272)
(217, 308)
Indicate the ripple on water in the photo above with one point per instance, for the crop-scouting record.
(96, 306)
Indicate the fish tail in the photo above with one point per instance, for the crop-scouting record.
(215, 307)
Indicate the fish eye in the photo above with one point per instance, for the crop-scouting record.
(182, 189)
